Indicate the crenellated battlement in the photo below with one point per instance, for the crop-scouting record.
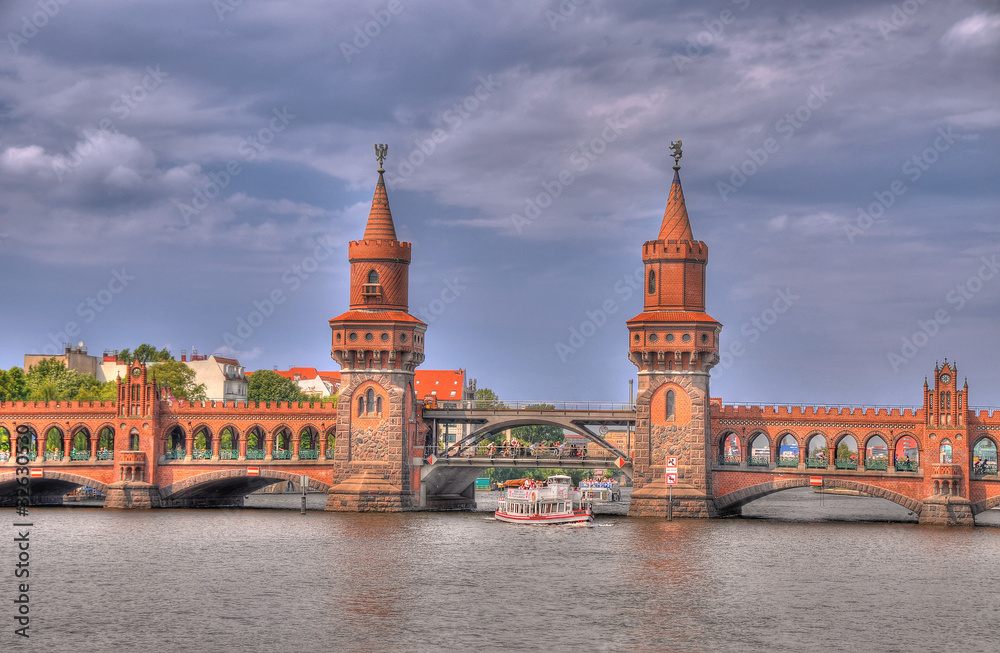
(788, 411)
(57, 407)
(686, 249)
(248, 407)
(359, 250)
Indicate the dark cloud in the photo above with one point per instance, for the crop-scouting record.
(211, 154)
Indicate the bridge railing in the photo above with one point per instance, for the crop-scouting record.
(483, 450)
(478, 404)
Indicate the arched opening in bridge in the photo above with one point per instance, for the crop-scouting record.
(201, 444)
(876, 453)
(80, 444)
(847, 453)
(984, 457)
(760, 451)
(945, 452)
(229, 446)
(282, 444)
(255, 443)
(331, 443)
(816, 449)
(16, 444)
(788, 451)
(54, 444)
(5, 444)
(106, 444)
(729, 453)
(805, 504)
(308, 443)
(906, 454)
(176, 444)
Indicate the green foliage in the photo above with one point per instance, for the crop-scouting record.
(179, 378)
(145, 353)
(267, 385)
(844, 451)
(50, 380)
(13, 385)
(537, 433)
(486, 398)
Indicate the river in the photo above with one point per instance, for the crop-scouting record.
(793, 578)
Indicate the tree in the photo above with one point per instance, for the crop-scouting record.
(145, 353)
(486, 398)
(844, 451)
(13, 385)
(537, 433)
(179, 378)
(50, 380)
(267, 385)
(93, 390)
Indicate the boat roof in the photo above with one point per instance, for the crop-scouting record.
(560, 478)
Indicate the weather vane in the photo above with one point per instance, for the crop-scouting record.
(676, 147)
(380, 152)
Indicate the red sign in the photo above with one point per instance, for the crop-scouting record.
(671, 479)
(253, 471)
(815, 480)
(36, 472)
(432, 459)
(620, 462)
(672, 461)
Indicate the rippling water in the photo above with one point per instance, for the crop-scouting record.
(265, 580)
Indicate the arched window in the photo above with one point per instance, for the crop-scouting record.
(373, 276)
(361, 406)
(671, 412)
(730, 454)
(133, 440)
(788, 451)
(930, 401)
(371, 401)
(378, 406)
(652, 282)
(760, 451)
(946, 452)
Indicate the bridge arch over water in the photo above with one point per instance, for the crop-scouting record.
(732, 502)
(49, 489)
(228, 486)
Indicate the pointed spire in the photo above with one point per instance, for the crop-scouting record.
(675, 225)
(380, 225)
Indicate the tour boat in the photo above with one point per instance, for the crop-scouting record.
(601, 490)
(552, 502)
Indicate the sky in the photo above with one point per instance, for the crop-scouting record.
(189, 173)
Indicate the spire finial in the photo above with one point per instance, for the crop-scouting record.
(676, 147)
(380, 152)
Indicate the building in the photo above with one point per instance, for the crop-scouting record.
(74, 358)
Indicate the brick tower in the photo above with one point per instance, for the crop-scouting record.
(948, 454)
(674, 343)
(138, 407)
(378, 345)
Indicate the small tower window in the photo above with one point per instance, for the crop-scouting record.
(930, 401)
(371, 400)
(372, 287)
(373, 276)
(652, 282)
(671, 412)
(361, 406)
(378, 406)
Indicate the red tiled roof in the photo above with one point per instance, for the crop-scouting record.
(376, 316)
(675, 225)
(380, 226)
(672, 316)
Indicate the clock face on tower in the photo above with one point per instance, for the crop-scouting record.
(136, 372)
(945, 378)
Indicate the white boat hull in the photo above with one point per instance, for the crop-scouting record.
(578, 516)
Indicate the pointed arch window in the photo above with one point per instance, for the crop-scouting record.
(378, 406)
(652, 282)
(361, 406)
(370, 396)
(671, 410)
